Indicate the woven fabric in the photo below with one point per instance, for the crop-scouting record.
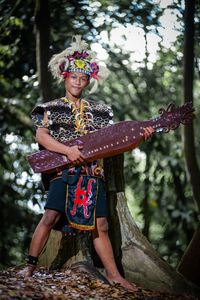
(62, 120)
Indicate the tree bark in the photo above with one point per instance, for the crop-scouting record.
(42, 29)
(135, 257)
(190, 263)
(193, 171)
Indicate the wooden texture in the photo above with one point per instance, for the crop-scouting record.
(114, 139)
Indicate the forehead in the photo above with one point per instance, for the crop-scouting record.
(79, 75)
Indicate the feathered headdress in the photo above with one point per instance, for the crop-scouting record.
(77, 58)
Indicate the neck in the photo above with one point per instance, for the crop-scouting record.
(76, 100)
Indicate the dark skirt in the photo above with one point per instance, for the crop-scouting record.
(56, 200)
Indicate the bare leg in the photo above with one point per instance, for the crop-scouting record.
(40, 238)
(42, 231)
(103, 248)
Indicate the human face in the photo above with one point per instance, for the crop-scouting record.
(75, 84)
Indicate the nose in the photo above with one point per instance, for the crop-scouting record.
(78, 81)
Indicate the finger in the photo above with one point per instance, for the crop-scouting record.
(82, 156)
(79, 160)
(82, 159)
(149, 130)
(147, 133)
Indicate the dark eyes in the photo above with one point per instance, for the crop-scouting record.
(83, 79)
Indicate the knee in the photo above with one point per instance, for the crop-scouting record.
(102, 225)
(50, 218)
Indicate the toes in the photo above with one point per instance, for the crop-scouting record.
(26, 272)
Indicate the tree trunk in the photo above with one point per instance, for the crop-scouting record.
(135, 257)
(42, 48)
(193, 171)
(190, 263)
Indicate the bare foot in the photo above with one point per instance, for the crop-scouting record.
(27, 271)
(124, 283)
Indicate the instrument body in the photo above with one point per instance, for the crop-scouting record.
(114, 139)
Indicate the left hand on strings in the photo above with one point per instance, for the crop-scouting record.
(148, 132)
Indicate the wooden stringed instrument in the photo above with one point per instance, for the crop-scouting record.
(113, 139)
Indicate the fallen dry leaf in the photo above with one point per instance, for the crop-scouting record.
(70, 284)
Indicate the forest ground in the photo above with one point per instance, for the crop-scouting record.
(70, 284)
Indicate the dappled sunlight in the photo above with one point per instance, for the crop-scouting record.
(141, 43)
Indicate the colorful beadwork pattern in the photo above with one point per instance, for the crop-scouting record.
(77, 58)
(44, 124)
(82, 118)
(62, 117)
(66, 122)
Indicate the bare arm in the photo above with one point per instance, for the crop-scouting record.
(47, 141)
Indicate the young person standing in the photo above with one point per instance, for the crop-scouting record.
(77, 192)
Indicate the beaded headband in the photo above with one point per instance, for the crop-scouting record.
(75, 59)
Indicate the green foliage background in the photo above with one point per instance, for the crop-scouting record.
(157, 188)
